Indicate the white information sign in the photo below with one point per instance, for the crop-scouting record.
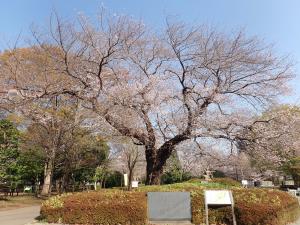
(218, 197)
(244, 182)
(134, 184)
(292, 192)
(125, 179)
(289, 183)
(267, 183)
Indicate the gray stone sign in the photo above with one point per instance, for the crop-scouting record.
(169, 206)
(267, 183)
(289, 183)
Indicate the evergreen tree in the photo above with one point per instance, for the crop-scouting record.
(9, 153)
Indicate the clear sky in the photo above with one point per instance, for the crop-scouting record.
(275, 21)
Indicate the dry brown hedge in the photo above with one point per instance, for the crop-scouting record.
(103, 207)
(253, 207)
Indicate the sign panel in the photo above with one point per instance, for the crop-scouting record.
(292, 192)
(134, 184)
(289, 183)
(244, 182)
(169, 206)
(267, 183)
(218, 197)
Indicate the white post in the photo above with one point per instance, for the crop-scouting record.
(125, 179)
(232, 209)
(206, 212)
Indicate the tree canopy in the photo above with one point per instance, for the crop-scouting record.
(158, 88)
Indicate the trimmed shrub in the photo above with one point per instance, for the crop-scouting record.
(252, 207)
(111, 207)
(102, 207)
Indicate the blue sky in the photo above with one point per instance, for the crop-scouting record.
(275, 21)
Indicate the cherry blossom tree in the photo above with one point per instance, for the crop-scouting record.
(273, 141)
(158, 88)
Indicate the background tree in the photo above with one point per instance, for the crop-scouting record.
(31, 167)
(273, 140)
(292, 168)
(100, 175)
(131, 155)
(174, 172)
(83, 154)
(71, 152)
(9, 153)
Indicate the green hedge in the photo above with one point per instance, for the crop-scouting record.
(111, 207)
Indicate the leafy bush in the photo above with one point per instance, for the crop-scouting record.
(175, 173)
(218, 174)
(252, 206)
(114, 179)
(102, 207)
(55, 202)
(175, 176)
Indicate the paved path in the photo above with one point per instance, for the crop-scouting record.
(296, 223)
(19, 216)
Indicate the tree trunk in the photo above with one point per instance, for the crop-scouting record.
(130, 177)
(155, 166)
(48, 173)
(65, 181)
(156, 176)
(37, 186)
(150, 153)
(156, 158)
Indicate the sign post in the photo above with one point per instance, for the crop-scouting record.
(125, 179)
(219, 198)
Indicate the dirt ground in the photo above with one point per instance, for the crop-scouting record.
(21, 201)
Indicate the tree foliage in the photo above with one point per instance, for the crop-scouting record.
(273, 140)
(292, 168)
(9, 152)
